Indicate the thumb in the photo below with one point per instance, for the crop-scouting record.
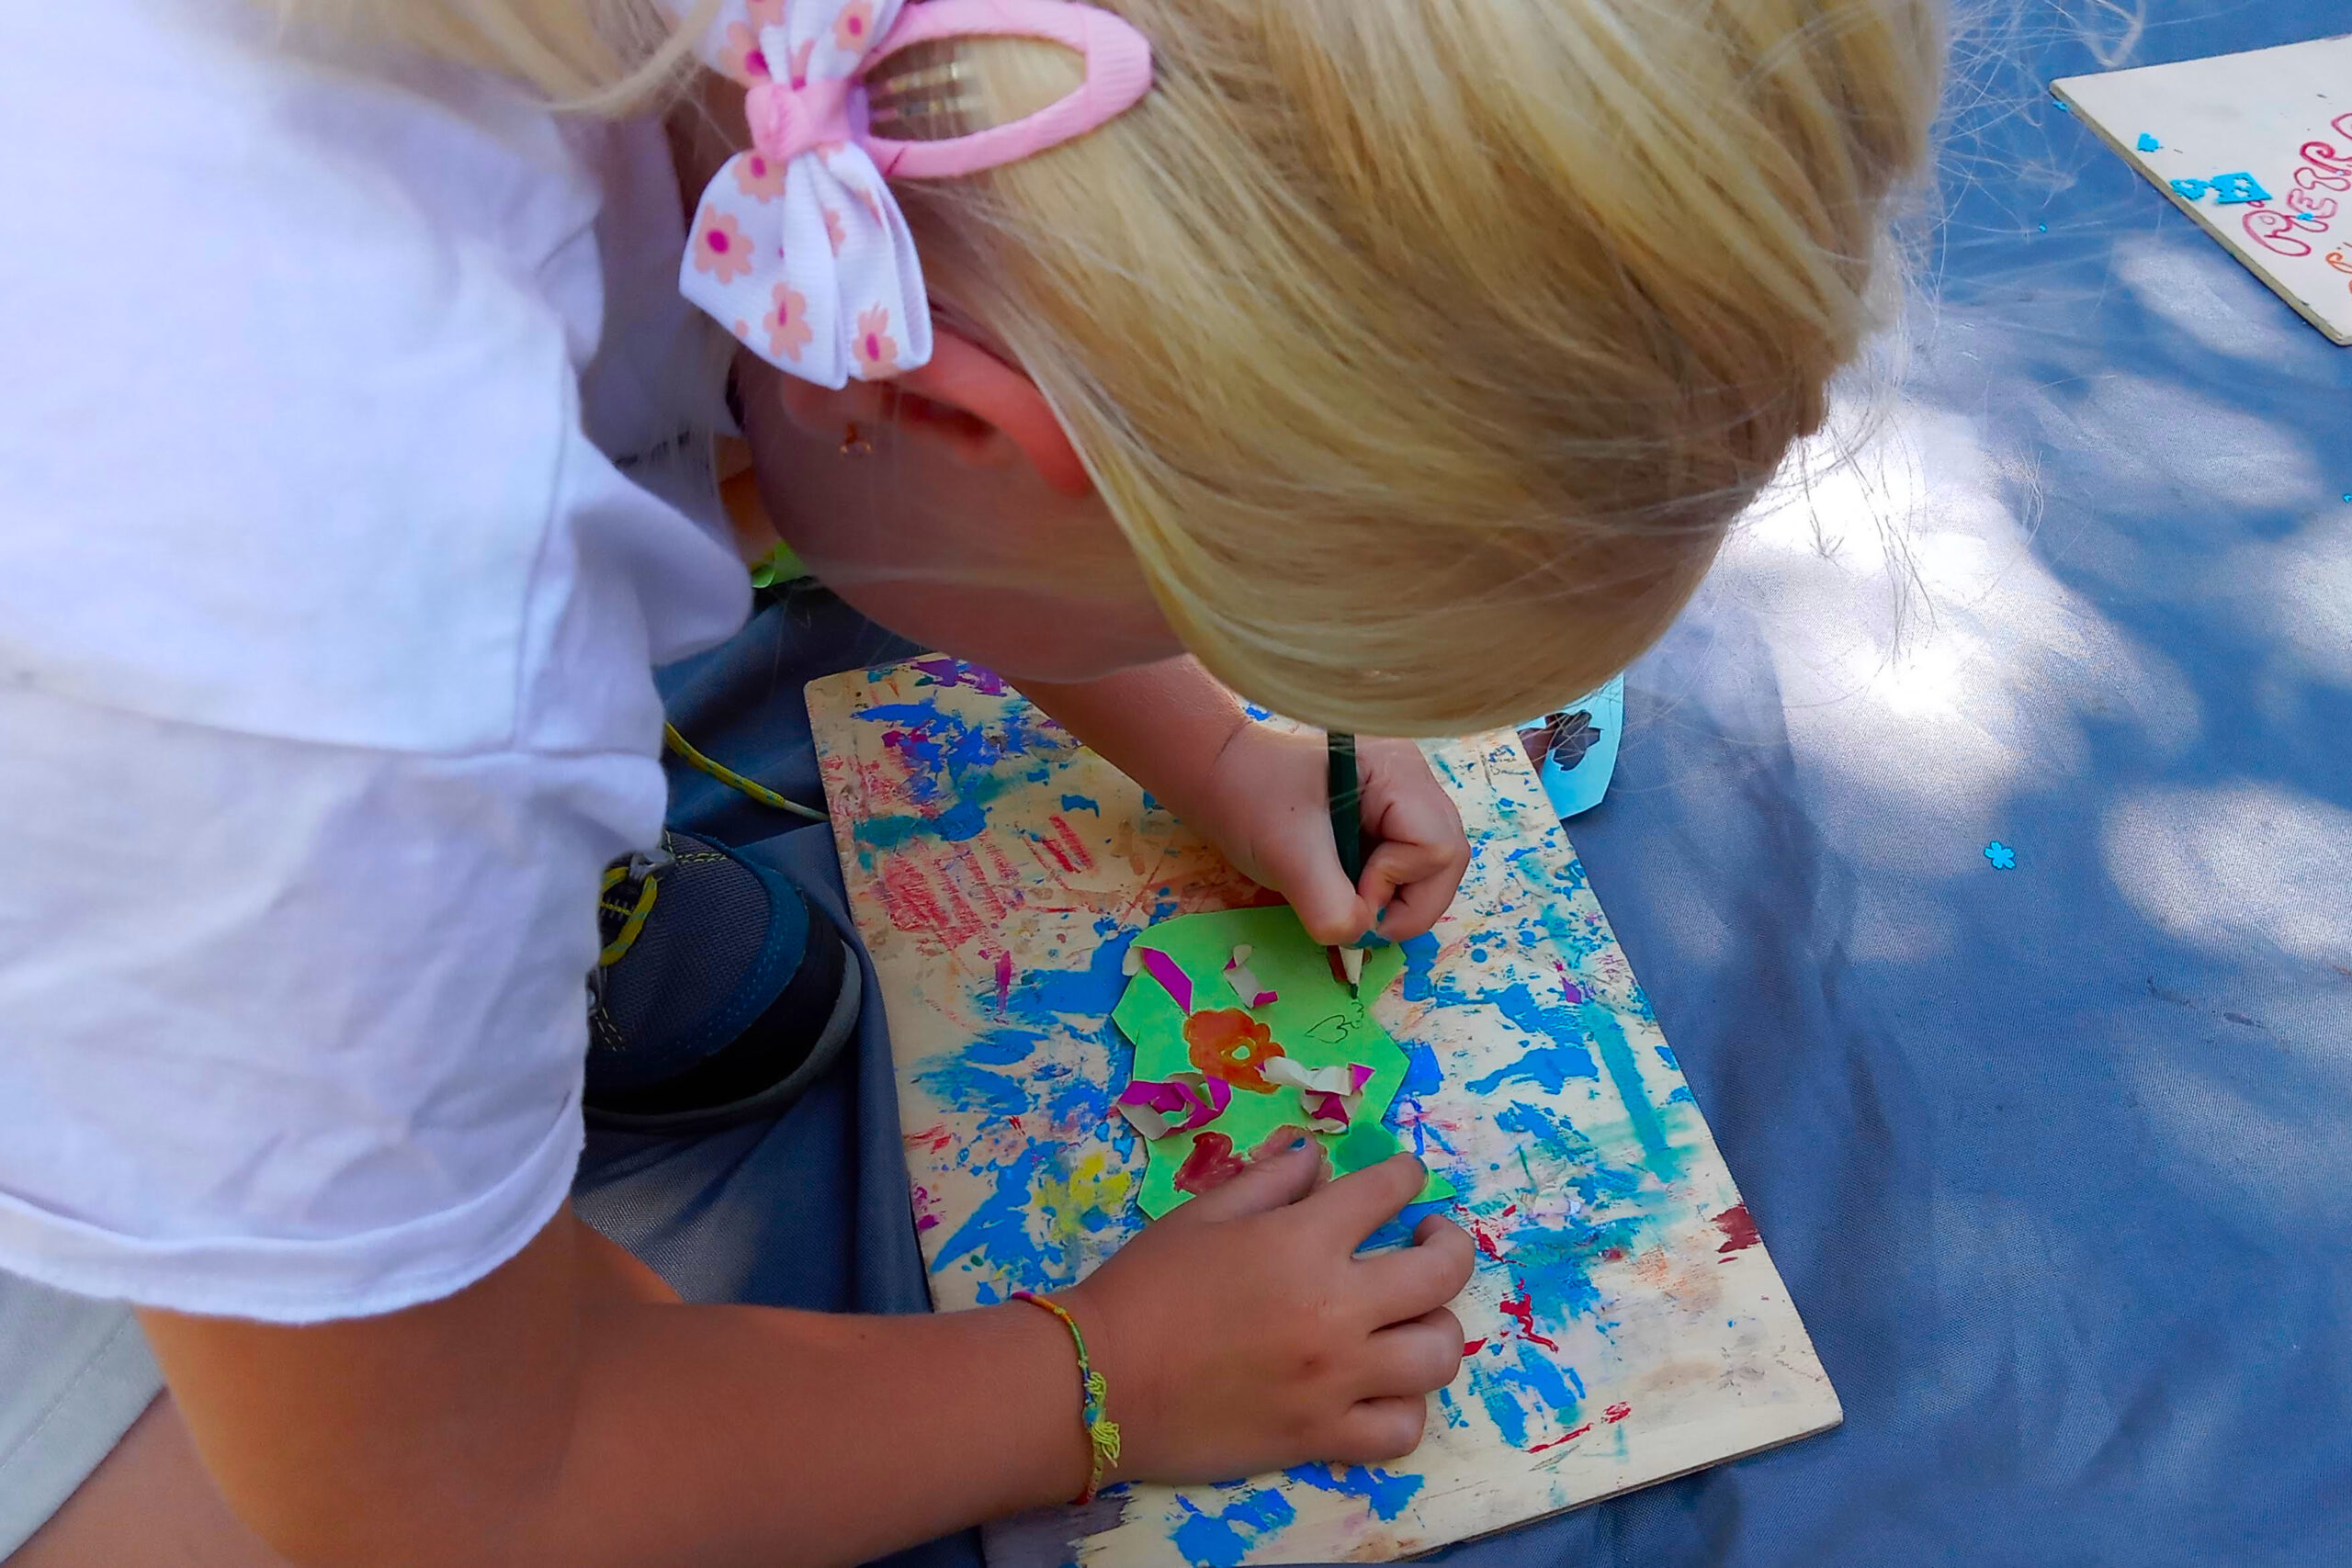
(1274, 1181)
(1330, 908)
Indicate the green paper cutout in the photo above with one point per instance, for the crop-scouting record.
(1312, 1017)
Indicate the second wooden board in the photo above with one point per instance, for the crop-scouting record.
(2258, 148)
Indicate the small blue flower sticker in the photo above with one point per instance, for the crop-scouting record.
(2003, 857)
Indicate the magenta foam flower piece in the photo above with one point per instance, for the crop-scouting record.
(1179, 1103)
(1171, 976)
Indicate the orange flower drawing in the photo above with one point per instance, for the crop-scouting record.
(1228, 1043)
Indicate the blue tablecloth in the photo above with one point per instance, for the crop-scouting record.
(2056, 1159)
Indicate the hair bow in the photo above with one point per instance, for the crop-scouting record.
(799, 247)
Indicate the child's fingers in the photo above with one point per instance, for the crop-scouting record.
(1411, 884)
(1356, 1205)
(1414, 1357)
(1327, 905)
(1273, 1182)
(1378, 1429)
(1412, 1280)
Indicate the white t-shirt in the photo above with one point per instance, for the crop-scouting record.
(327, 618)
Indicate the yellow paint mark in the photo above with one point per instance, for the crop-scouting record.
(1095, 1187)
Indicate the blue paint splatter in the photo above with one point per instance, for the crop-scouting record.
(1388, 1494)
(1421, 957)
(1666, 1055)
(1681, 1096)
(998, 1230)
(1221, 1539)
(1549, 1067)
(1422, 1075)
(1617, 1053)
(962, 1085)
(1002, 1047)
(1081, 803)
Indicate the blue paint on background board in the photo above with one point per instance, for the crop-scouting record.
(1422, 1075)
(1617, 1054)
(1002, 1047)
(1044, 999)
(1421, 957)
(1509, 1389)
(997, 1229)
(1223, 1539)
(963, 1085)
(1548, 1067)
(1388, 1494)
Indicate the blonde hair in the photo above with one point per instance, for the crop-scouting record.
(1425, 349)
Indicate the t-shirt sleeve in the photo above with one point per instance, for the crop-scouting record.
(290, 1032)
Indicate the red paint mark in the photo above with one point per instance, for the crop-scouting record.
(1510, 1209)
(1472, 1347)
(1054, 850)
(1563, 1438)
(1487, 1244)
(1613, 1255)
(1003, 980)
(1211, 1165)
(939, 1139)
(1521, 1310)
(1616, 1413)
(1078, 857)
(1739, 1230)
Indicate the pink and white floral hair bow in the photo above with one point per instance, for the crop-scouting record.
(798, 246)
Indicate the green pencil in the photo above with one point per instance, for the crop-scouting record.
(1346, 791)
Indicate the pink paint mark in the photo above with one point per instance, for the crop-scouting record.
(1573, 991)
(1563, 1438)
(1616, 1413)
(1521, 1310)
(1003, 980)
(1739, 1230)
(1472, 1347)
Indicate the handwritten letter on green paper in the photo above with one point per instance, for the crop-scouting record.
(1312, 1018)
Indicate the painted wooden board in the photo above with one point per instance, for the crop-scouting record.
(2279, 121)
(1627, 1324)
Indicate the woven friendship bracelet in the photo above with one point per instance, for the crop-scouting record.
(1102, 1432)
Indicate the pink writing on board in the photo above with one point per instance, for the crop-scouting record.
(2324, 167)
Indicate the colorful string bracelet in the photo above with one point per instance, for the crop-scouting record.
(1102, 1432)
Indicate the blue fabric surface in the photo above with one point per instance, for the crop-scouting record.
(2056, 1160)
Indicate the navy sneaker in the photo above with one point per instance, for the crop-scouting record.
(721, 995)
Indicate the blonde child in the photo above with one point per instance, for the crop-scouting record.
(1397, 363)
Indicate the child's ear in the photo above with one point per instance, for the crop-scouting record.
(979, 406)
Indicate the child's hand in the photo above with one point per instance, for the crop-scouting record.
(1241, 1333)
(1267, 805)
